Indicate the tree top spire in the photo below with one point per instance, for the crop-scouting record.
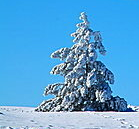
(83, 17)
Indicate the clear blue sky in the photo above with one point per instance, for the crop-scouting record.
(30, 30)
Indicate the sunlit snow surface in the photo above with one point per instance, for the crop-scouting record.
(27, 118)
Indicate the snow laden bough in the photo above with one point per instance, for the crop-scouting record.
(86, 86)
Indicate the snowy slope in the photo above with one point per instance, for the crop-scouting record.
(26, 118)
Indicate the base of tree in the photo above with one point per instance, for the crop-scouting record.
(55, 105)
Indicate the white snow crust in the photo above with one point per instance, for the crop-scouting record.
(27, 118)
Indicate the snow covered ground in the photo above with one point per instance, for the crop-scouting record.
(27, 118)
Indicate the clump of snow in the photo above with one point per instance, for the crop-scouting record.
(133, 108)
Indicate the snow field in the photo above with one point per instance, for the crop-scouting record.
(27, 118)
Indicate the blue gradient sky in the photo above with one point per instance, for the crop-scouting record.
(31, 30)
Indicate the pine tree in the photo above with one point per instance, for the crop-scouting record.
(87, 80)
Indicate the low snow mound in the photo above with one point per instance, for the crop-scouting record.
(27, 118)
(133, 108)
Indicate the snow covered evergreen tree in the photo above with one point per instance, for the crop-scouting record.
(87, 80)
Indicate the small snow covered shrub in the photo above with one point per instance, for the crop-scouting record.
(86, 86)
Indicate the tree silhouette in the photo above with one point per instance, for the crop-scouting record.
(86, 85)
